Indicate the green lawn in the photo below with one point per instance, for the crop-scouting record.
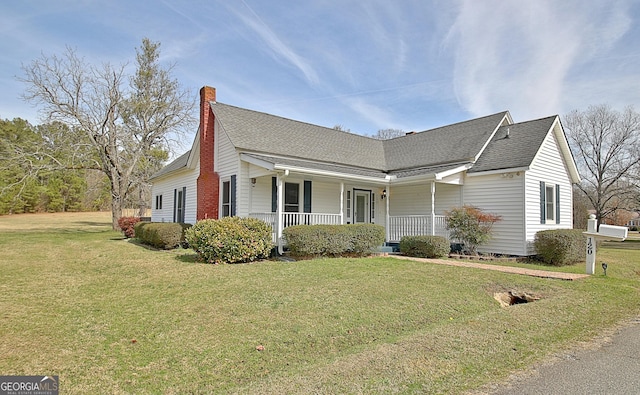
(110, 316)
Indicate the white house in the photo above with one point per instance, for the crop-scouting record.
(285, 172)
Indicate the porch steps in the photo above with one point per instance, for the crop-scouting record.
(384, 250)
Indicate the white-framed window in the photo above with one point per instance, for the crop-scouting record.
(228, 206)
(226, 198)
(549, 203)
(158, 202)
(179, 203)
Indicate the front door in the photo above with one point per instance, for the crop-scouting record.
(362, 208)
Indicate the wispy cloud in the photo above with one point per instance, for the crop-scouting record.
(519, 55)
(280, 50)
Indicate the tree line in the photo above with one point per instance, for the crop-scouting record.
(33, 179)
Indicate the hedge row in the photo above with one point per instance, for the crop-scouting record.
(165, 235)
(230, 239)
(425, 246)
(333, 240)
(560, 247)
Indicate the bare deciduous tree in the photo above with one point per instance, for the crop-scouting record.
(120, 123)
(386, 134)
(606, 147)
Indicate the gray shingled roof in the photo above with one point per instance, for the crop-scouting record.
(460, 142)
(517, 151)
(177, 164)
(269, 134)
(270, 138)
(425, 170)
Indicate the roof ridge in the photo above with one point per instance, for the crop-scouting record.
(215, 103)
(532, 120)
(452, 124)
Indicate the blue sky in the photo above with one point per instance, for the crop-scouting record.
(363, 64)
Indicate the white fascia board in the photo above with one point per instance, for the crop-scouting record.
(447, 173)
(258, 162)
(332, 174)
(561, 138)
(412, 179)
(507, 117)
(499, 171)
(195, 151)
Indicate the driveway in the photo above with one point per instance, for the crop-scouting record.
(610, 365)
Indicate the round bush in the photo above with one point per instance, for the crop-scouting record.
(560, 247)
(230, 239)
(425, 246)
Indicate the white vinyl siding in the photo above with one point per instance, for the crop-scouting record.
(410, 199)
(325, 197)
(416, 199)
(227, 164)
(165, 186)
(502, 195)
(447, 197)
(547, 167)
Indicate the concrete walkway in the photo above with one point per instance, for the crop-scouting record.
(505, 269)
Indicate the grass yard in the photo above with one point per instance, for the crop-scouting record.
(110, 316)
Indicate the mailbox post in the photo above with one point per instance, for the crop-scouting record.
(607, 232)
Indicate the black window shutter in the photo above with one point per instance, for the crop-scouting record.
(557, 204)
(232, 199)
(274, 194)
(175, 204)
(543, 206)
(307, 196)
(184, 203)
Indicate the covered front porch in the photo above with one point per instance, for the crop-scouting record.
(399, 209)
(285, 192)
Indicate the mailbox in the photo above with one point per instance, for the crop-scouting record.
(616, 232)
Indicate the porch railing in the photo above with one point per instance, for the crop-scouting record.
(415, 225)
(290, 219)
(399, 225)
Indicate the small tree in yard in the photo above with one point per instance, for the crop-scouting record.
(471, 226)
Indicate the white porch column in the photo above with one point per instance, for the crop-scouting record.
(433, 208)
(342, 203)
(386, 218)
(279, 211)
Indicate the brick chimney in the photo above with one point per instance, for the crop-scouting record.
(208, 183)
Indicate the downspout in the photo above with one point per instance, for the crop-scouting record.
(433, 208)
(280, 211)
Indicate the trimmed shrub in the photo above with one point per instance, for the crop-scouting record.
(333, 240)
(425, 246)
(366, 238)
(230, 239)
(127, 224)
(164, 235)
(559, 247)
(633, 229)
(471, 226)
